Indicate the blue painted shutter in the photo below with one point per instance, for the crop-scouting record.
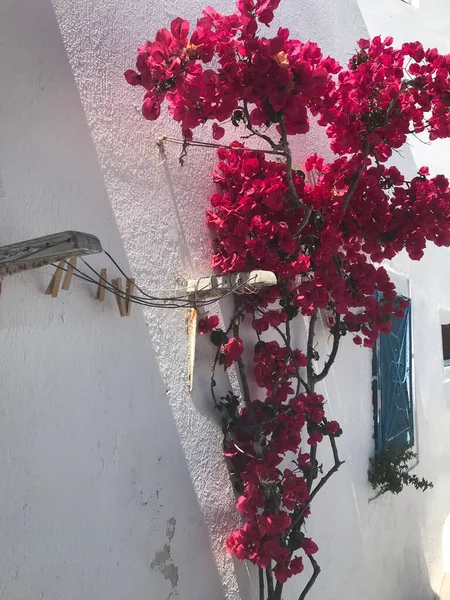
(393, 402)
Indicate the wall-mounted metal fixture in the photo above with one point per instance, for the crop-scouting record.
(46, 250)
(244, 283)
(219, 285)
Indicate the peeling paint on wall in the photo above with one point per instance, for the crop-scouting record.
(163, 561)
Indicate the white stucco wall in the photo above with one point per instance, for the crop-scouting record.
(427, 21)
(113, 486)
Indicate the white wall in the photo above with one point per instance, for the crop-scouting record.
(113, 485)
(429, 23)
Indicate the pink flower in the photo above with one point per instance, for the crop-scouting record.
(315, 437)
(273, 524)
(208, 324)
(282, 573)
(245, 507)
(309, 546)
(258, 117)
(132, 77)
(332, 427)
(296, 565)
(180, 29)
(233, 350)
(217, 132)
(151, 108)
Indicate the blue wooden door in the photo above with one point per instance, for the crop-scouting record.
(392, 370)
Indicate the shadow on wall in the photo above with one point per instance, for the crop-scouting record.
(114, 481)
(97, 496)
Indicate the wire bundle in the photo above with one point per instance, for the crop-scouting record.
(144, 298)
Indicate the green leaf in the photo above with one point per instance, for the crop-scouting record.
(218, 337)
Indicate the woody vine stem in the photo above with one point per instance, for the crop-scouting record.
(231, 428)
(324, 240)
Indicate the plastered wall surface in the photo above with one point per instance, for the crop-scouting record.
(113, 486)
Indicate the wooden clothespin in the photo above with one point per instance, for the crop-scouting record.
(129, 292)
(117, 283)
(69, 273)
(101, 286)
(53, 286)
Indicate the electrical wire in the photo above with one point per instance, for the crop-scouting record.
(201, 144)
(120, 293)
(182, 301)
(186, 299)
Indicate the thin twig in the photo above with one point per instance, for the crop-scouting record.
(288, 334)
(293, 192)
(241, 366)
(312, 472)
(305, 385)
(314, 576)
(366, 151)
(196, 143)
(337, 463)
(212, 383)
(356, 177)
(250, 127)
(261, 583)
(287, 340)
(288, 345)
(334, 468)
(311, 383)
(310, 352)
(304, 221)
(216, 359)
(278, 591)
(269, 578)
(334, 350)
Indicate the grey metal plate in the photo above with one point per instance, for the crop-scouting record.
(45, 250)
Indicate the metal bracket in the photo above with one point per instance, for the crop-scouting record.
(46, 250)
(240, 283)
(218, 285)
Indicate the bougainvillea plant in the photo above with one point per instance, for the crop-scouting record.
(322, 229)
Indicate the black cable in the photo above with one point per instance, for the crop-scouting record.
(185, 301)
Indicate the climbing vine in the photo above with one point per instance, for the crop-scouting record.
(322, 227)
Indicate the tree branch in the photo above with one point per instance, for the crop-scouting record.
(291, 352)
(334, 468)
(305, 385)
(356, 177)
(278, 590)
(212, 384)
(199, 144)
(366, 151)
(241, 366)
(269, 578)
(264, 137)
(333, 353)
(310, 349)
(312, 473)
(216, 359)
(293, 192)
(337, 463)
(312, 581)
(261, 583)
(287, 340)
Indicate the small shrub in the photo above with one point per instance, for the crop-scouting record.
(388, 471)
